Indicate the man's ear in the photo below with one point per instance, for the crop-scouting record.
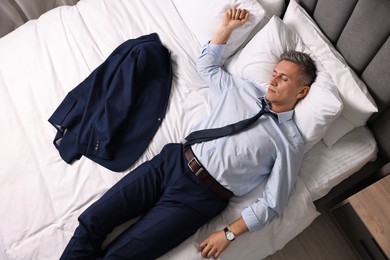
(303, 92)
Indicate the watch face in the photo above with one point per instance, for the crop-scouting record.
(230, 235)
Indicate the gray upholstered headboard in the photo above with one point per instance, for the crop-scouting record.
(360, 30)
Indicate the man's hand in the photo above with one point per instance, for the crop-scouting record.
(232, 19)
(214, 245)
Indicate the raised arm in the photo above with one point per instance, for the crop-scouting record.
(208, 64)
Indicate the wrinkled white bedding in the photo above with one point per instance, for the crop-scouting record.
(41, 196)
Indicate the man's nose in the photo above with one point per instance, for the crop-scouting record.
(274, 81)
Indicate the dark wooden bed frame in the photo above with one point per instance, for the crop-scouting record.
(360, 30)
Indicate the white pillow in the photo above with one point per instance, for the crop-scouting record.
(358, 103)
(203, 17)
(256, 62)
(272, 7)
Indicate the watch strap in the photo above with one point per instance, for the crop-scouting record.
(229, 234)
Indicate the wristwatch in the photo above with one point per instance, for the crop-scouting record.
(229, 234)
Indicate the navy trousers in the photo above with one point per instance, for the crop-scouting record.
(172, 201)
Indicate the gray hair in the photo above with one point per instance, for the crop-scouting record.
(306, 63)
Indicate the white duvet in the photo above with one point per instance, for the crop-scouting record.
(40, 195)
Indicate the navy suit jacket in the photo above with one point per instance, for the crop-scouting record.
(112, 115)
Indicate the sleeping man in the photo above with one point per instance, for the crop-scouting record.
(185, 186)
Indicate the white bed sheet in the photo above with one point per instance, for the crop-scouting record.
(42, 196)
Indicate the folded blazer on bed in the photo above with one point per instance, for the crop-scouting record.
(112, 115)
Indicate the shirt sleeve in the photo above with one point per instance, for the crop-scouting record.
(210, 69)
(277, 190)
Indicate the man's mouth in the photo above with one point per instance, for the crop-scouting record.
(271, 90)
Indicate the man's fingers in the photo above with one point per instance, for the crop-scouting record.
(243, 14)
(205, 252)
(237, 13)
(229, 12)
(202, 245)
(246, 16)
(211, 253)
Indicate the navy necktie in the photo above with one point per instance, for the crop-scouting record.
(214, 133)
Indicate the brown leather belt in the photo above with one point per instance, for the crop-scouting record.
(204, 176)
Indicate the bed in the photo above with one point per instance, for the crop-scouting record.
(344, 120)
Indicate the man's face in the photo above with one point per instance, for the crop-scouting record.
(285, 88)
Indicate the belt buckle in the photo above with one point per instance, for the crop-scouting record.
(196, 161)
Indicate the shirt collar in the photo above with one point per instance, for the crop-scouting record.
(282, 116)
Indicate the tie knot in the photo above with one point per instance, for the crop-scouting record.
(266, 109)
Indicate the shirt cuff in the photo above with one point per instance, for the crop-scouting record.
(216, 49)
(250, 219)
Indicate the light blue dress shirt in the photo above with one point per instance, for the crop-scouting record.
(269, 150)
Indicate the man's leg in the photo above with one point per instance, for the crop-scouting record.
(183, 208)
(160, 230)
(132, 196)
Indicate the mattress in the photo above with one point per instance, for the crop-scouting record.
(43, 60)
(324, 168)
